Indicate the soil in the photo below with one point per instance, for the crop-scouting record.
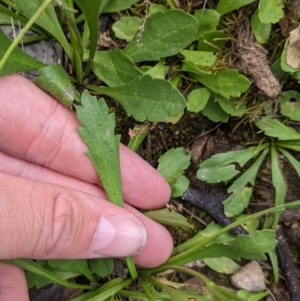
(203, 138)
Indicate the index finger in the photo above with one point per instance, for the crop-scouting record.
(36, 128)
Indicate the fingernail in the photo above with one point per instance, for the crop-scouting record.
(119, 236)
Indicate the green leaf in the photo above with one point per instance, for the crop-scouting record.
(191, 67)
(101, 266)
(97, 132)
(217, 174)
(214, 112)
(127, 27)
(294, 162)
(208, 21)
(166, 217)
(231, 106)
(176, 295)
(173, 163)
(114, 68)
(283, 62)
(261, 30)
(180, 185)
(270, 11)
(156, 8)
(47, 20)
(198, 99)
(222, 265)
(253, 247)
(30, 265)
(290, 104)
(219, 167)
(147, 98)
(227, 82)
(91, 11)
(213, 41)
(201, 58)
(226, 6)
(278, 182)
(274, 128)
(162, 37)
(240, 197)
(79, 265)
(117, 5)
(158, 71)
(55, 81)
(18, 61)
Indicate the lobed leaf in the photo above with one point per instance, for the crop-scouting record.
(147, 98)
(97, 132)
(270, 11)
(162, 37)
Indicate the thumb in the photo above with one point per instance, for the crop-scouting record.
(45, 221)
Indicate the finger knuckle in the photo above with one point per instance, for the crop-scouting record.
(66, 222)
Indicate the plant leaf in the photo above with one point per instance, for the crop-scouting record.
(230, 106)
(173, 163)
(274, 128)
(201, 58)
(114, 68)
(166, 217)
(101, 266)
(179, 186)
(261, 30)
(162, 37)
(290, 104)
(117, 5)
(222, 265)
(97, 132)
(158, 71)
(217, 174)
(156, 8)
(198, 99)
(18, 61)
(147, 98)
(212, 41)
(30, 265)
(208, 21)
(126, 27)
(47, 20)
(91, 11)
(227, 82)
(226, 6)
(214, 112)
(79, 265)
(55, 81)
(294, 162)
(270, 11)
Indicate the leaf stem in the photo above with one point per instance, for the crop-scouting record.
(171, 4)
(17, 40)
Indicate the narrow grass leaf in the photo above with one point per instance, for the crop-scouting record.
(48, 20)
(114, 68)
(274, 128)
(226, 6)
(146, 98)
(18, 61)
(227, 82)
(30, 265)
(55, 81)
(162, 37)
(294, 162)
(166, 217)
(177, 295)
(97, 131)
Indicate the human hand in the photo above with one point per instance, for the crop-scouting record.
(52, 203)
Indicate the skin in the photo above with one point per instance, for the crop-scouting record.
(43, 170)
